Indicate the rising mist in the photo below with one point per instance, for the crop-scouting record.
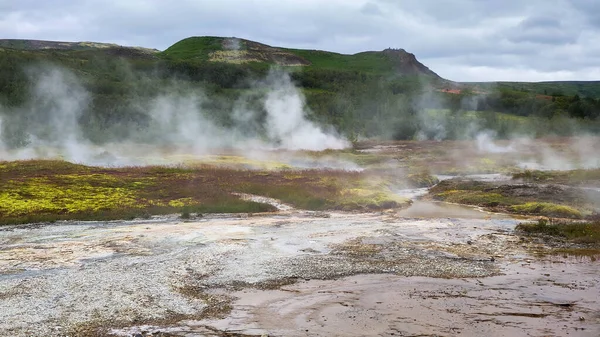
(48, 125)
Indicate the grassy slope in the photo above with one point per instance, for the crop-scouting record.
(376, 63)
(370, 62)
(198, 49)
(33, 45)
(14, 44)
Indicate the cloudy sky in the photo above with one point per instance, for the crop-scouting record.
(462, 40)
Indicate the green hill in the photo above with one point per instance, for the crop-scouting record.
(240, 51)
(253, 54)
(370, 94)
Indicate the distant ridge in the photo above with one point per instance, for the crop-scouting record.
(233, 50)
(236, 50)
(241, 51)
(61, 45)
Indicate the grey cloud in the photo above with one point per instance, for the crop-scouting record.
(591, 10)
(371, 8)
(539, 35)
(540, 22)
(543, 30)
(458, 13)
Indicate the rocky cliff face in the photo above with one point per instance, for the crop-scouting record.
(244, 51)
(406, 63)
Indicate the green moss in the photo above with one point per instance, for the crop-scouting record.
(580, 232)
(237, 162)
(363, 159)
(353, 199)
(422, 179)
(547, 209)
(592, 253)
(560, 177)
(522, 199)
(472, 197)
(529, 175)
(229, 206)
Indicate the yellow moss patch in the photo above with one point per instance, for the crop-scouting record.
(548, 209)
(39, 195)
(473, 197)
(181, 202)
(236, 162)
(448, 193)
(45, 190)
(234, 56)
(487, 162)
(356, 198)
(95, 178)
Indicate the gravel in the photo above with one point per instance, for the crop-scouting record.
(54, 278)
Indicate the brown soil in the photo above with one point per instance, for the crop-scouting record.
(385, 305)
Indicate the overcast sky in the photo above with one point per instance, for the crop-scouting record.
(462, 40)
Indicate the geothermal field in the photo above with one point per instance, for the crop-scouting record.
(267, 221)
(399, 238)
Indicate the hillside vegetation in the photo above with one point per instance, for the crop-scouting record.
(387, 94)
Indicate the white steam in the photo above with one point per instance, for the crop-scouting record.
(558, 153)
(178, 122)
(439, 120)
(287, 124)
(175, 124)
(232, 44)
(486, 144)
(52, 129)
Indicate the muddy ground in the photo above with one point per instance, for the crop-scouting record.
(432, 269)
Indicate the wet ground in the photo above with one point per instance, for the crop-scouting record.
(431, 269)
(521, 303)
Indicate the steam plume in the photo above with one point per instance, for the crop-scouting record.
(48, 125)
